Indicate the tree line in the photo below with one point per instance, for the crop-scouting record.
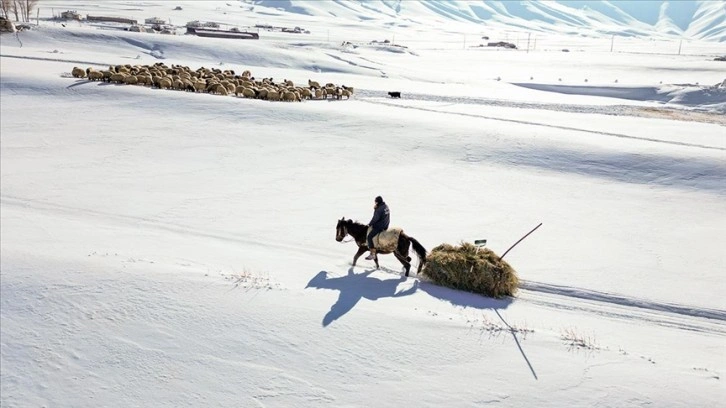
(21, 9)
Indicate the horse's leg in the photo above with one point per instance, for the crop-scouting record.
(403, 244)
(361, 251)
(401, 259)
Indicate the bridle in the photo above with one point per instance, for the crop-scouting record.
(343, 231)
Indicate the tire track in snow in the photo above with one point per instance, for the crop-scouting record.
(559, 108)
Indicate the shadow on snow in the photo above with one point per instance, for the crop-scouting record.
(355, 286)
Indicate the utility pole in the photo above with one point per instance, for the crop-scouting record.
(528, 34)
(679, 46)
(612, 42)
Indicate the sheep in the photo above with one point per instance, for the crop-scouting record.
(186, 85)
(245, 91)
(213, 81)
(273, 95)
(117, 77)
(289, 96)
(78, 72)
(107, 75)
(165, 83)
(249, 93)
(329, 91)
(131, 80)
(95, 75)
(200, 86)
(145, 79)
(210, 86)
(218, 88)
(338, 92)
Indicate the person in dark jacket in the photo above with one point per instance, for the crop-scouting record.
(379, 222)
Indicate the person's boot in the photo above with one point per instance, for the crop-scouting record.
(372, 255)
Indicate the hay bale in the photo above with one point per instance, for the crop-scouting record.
(465, 268)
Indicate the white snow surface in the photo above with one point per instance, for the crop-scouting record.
(165, 249)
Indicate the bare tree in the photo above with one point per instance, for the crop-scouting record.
(5, 7)
(21, 6)
(28, 8)
(14, 7)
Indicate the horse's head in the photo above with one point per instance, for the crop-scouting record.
(340, 230)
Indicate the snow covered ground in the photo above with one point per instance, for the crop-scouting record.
(168, 249)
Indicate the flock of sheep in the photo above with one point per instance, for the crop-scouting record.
(214, 81)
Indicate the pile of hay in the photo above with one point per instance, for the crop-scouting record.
(465, 268)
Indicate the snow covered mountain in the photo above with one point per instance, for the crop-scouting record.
(705, 20)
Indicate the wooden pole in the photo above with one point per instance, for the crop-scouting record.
(520, 240)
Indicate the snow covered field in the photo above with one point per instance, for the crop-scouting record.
(163, 248)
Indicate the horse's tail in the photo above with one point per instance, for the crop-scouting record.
(420, 251)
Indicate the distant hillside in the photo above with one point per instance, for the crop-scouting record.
(703, 20)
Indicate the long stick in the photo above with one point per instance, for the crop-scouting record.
(520, 240)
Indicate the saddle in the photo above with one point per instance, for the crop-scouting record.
(386, 241)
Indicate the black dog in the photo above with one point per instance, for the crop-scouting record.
(394, 94)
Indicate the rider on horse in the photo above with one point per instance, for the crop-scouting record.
(379, 222)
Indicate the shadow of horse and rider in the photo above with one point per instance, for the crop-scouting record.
(353, 287)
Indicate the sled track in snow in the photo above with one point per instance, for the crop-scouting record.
(623, 300)
(618, 306)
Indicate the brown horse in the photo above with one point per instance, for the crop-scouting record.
(359, 231)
